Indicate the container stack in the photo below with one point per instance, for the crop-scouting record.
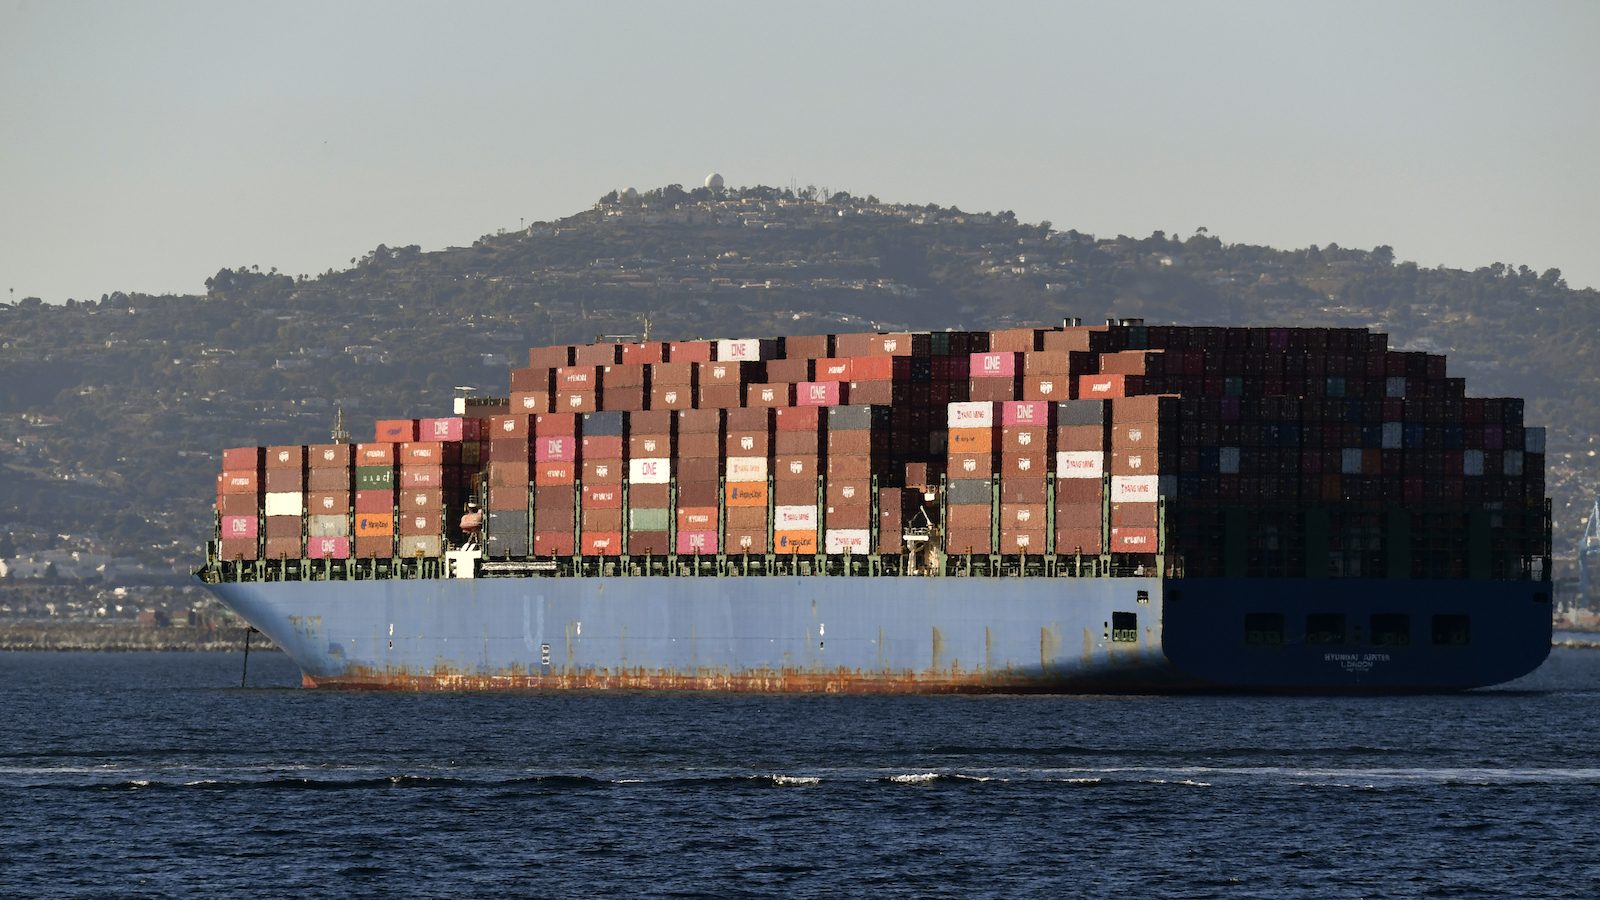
(652, 448)
(970, 469)
(698, 461)
(241, 502)
(859, 453)
(509, 472)
(798, 462)
(285, 503)
(376, 484)
(1080, 431)
(602, 465)
(330, 478)
(748, 451)
(555, 483)
(1025, 458)
(993, 376)
(1138, 426)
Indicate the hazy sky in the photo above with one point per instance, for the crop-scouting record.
(148, 144)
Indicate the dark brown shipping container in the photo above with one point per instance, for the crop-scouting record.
(720, 396)
(285, 480)
(969, 465)
(508, 496)
(749, 419)
(650, 445)
(550, 357)
(1023, 490)
(699, 493)
(533, 380)
(748, 443)
(699, 446)
(698, 468)
(240, 549)
(1069, 516)
(330, 456)
(419, 522)
(679, 375)
(283, 526)
(602, 519)
(794, 493)
(1080, 437)
(769, 395)
(285, 458)
(238, 504)
(626, 399)
(420, 501)
(811, 346)
(1071, 540)
(283, 548)
(789, 371)
(623, 376)
(967, 540)
(1022, 540)
(786, 443)
(671, 397)
(796, 467)
(597, 355)
(649, 496)
(602, 496)
(604, 471)
(648, 543)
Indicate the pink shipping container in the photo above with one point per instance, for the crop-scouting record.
(328, 548)
(818, 393)
(1025, 412)
(993, 365)
(454, 428)
(697, 542)
(240, 526)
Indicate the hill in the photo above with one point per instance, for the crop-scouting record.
(113, 412)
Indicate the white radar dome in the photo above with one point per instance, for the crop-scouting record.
(714, 181)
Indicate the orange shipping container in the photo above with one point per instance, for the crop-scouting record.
(970, 440)
(374, 524)
(745, 494)
(796, 543)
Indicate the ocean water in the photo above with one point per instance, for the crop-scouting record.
(155, 774)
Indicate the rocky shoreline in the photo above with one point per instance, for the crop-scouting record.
(124, 636)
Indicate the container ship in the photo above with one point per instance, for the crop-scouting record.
(1122, 508)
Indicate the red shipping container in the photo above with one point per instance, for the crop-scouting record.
(1099, 386)
(602, 543)
(770, 396)
(235, 549)
(550, 357)
(576, 401)
(553, 542)
(571, 379)
(421, 500)
(244, 458)
(374, 501)
(1070, 541)
(648, 543)
(533, 380)
(553, 472)
(378, 454)
(646, 352)
(798, 418)
(239, 482)
(671, 396)
(689, 351)
(394, 431)
(835, 369)
(327, 503)
(554, 424)
(1133, 540)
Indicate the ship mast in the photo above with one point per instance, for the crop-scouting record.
(341, 435)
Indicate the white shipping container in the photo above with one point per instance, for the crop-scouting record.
(749, 349)
(286, 503)
(1351, 461)
(328, 526)
(1533, 439)
(974, 414)
(1393, 436)
(1080, 464)
(848, 540)
(1472, 462)
(650, 470)
(1135, 488)
(747, 468)
(794, 518)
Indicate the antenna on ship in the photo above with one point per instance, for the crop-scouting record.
(341, 435)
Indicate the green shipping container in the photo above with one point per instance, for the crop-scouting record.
(649, 519)
(374, 478)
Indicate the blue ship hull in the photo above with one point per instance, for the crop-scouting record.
(899, 634)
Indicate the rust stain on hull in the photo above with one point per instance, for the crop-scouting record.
(781, 681)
